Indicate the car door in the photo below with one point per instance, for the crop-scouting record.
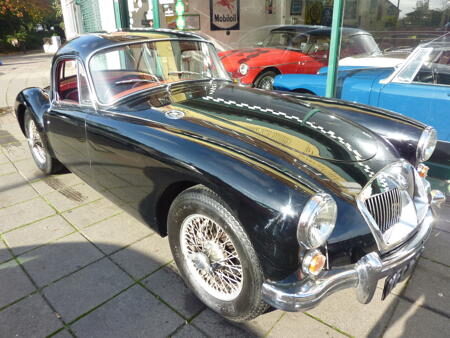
(425, 98)
(65, 120)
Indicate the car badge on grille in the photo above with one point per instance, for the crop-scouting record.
(174, 114)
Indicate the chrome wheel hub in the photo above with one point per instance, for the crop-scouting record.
(211, 256)
(266, 83)
(35, 143)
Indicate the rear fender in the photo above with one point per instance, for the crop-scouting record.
(37, 102)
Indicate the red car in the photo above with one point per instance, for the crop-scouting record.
(292, 49)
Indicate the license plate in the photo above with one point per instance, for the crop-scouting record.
(392, 280)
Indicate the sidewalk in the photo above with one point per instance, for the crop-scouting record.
(21, 71)
(74, 264)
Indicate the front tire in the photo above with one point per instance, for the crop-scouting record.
(214, 255)
(38, 148)
(265, 80)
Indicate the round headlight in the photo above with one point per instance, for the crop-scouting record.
(427, 144)
(243, 69)
(317, 221)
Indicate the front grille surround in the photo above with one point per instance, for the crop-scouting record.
(393, 204)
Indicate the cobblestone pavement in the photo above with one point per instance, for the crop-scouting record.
(74, 264)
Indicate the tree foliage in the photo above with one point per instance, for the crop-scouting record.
(20, 18)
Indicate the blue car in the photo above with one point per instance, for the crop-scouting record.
(418, 88)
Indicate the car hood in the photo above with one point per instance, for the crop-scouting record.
(255, 57)
(293, 137)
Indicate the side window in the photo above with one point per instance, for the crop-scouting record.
(67, 81)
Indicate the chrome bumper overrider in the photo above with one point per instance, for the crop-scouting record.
(363, 276)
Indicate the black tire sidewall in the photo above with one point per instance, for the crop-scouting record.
(263, 75)
(45, 167)
(250, 294)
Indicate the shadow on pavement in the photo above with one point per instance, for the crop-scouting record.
(126, 293)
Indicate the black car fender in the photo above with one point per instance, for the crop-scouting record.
(387, 124)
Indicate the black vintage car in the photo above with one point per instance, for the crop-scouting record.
(268, 199)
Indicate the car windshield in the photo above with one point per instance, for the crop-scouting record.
(317, 44)
(120, 71)
(429, 63)
(359, 44)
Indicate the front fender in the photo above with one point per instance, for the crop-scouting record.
(293, 82)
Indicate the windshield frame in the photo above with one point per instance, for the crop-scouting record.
(156, 87)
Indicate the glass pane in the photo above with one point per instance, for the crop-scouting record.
(67, 82)
(127, 69)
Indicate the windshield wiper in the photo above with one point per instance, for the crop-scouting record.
(136, 80)
(187, 72)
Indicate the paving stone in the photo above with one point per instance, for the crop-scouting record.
(62, 334)
(36, 234)
(343, 311)
(71, 197)
(78, 293)
(183, 299)
(145, 256)
(24, 213)
(116, 232)
(412, 321)
(3, 158)
(262, 324)
(134, 313)
(4, 252)
(301, 325)
(7, 168)
(216, 326)
(17, 151)
(437, 247)
(91, 213)
(31, 317)
(14, 283)
(28, 169)
(188, 331)
(430, 286)
(14, 189)
(59, 258)
(55, 182)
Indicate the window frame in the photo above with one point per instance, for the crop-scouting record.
(55, 81)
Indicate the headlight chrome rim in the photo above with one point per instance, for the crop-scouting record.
(427, 144)
(243, 68)
(309, 215)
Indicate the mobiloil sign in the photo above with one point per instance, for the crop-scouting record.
(224, 14)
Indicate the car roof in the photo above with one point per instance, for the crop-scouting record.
(83, 45)
(318, 30)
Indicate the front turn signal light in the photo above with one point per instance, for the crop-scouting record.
(422, 169)
(313, 262)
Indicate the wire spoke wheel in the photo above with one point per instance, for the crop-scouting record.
(35, 143)
(266, 82)
(212, 258)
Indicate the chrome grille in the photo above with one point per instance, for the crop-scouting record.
(385, 208)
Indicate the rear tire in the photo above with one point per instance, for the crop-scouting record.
(214, 255)
(38, 148)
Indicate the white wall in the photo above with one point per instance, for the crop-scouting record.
(72, 18)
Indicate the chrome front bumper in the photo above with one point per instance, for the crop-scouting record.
(362, 276)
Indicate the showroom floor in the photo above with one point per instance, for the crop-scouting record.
(73, 264)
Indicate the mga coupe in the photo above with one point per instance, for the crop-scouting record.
(267, 199)
(300, 49)
(418, 88)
